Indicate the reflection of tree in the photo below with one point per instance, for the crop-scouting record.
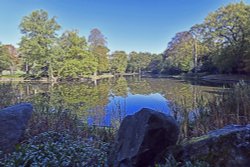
(120, 87)
(139, 86)
(89, 100)
(79, 98)
(12, 93)
(7, 95)
(178, 91)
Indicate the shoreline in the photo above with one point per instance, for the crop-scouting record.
(208, 78)
(46, 80)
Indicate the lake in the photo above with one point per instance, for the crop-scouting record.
(108, 101)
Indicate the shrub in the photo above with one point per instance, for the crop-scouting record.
(58, 149)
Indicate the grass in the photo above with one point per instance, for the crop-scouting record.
(231, 106)
(65, 121)
(172, 162)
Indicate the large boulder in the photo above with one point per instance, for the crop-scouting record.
(229, 146)
(143, 138)
(13, 121)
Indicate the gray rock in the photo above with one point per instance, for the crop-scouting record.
(143, 138)
(229, 146)
(13, 121)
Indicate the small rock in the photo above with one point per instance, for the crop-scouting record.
(143, 138)
(13, 121)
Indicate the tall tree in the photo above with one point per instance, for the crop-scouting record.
(14, 58)
(155, 64)
(179, 51)
(138, 61)
(5, 61)
(101, 54)
(76, 60)
(99, 49)
(119, 62)
(39, 35)
(228, 28)
(200, 46)
(96, 38)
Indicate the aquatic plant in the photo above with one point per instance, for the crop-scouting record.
(229, 106)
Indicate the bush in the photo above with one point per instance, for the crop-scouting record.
(58, 149)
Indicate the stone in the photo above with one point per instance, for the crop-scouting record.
(142, 139)
(229, 146)
(13, 121)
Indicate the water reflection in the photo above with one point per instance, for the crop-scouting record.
(107, 102)
(119, 107)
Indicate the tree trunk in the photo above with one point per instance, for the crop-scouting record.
(27, 70)
(12, 70)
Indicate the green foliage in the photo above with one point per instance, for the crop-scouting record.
(223, 37)
(155, 64)
(58, 149)
(180, 51)
(138, 61)
(99, 49)
(5, 61)
(119, 62)
(39, 34)
(101, 54)
(76, 60)
(228, 28)
(120, 87)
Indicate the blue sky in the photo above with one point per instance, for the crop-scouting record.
(139, 25)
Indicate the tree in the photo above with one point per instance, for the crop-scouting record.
(99, 49)
(180, 52)
(5, 61)
(138, 61)
(39, 35)
(155, 65)
(201, 49)
(119, 62)
(14, 58)
(101, 54)
(76, 60)
(228, 28)
(96, 38)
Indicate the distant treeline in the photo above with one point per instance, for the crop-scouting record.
(221, 44)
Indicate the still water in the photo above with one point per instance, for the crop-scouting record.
(108, 101)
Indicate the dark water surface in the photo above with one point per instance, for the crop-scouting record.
(108, 101)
